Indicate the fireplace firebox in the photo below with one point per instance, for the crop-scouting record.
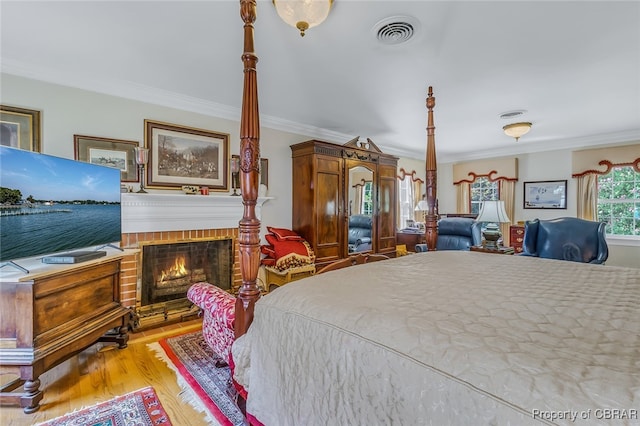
(170, 268)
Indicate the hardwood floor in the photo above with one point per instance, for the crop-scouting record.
(102, 372)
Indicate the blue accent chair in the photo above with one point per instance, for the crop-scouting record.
(456, 233)
(360, 233)
(566, 238)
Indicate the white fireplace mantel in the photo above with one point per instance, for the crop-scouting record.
(175, 212)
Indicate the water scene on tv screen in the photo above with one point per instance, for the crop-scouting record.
(50, 204)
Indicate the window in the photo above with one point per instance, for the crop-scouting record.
(482, 189)
(367, 199)
(619, 201)
(406, 199)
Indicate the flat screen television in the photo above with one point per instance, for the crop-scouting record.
(51, 205)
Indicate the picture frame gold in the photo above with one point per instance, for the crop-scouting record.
(109, 152)
(20, 128)
(181, 155)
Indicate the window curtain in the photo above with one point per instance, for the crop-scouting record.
(463, 192)
(415, 195)
(508, 195)
(495, 169)
(589, 163)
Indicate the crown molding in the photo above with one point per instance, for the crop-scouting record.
(155, 96)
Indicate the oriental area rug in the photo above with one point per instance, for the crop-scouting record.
(140, 407)
(207, 388)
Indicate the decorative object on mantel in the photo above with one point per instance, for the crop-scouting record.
(303, 14)
(235, 174)
(142, 157)
(517, 130)
(190, 189)
(180, 155)
(492, 212)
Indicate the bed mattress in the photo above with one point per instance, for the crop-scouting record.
(447, 337)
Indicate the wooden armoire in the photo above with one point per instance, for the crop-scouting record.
(325, 175)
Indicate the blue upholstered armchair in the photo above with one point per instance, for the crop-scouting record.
(456, 233)
(566, 238)
(359, 233)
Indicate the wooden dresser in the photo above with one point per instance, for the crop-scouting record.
(516, 235)
(53, 313)
(323, 184)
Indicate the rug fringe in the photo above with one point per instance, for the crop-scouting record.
(187, 394)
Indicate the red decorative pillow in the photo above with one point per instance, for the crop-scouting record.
(268, 250)
(284, 234)
(268, 261)
(289, 254)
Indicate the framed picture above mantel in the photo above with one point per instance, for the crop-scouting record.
(548, 194)
(180, 155)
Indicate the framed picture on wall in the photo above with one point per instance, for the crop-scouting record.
(549, 194)
(20, 128)
(180, 155)
(115, 153)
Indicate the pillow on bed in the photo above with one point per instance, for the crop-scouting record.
(284, 234)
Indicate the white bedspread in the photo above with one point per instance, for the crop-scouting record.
(444, 338)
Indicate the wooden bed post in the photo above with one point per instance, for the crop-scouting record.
(431, 217)
(249, 225)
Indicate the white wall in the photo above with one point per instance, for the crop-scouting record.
(67, 111)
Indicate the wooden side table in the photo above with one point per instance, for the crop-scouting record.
(499, 250)
(516, 237)
(410, 239)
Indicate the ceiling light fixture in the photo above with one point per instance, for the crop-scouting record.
(516, 130)
(303, 14)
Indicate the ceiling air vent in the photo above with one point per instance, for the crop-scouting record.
(396, 29)
(511, 114)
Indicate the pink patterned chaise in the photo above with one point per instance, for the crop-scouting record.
(219, 314)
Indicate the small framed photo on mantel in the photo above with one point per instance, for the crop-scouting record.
(548, 194)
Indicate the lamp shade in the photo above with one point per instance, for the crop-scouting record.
(303, 14)
(516, 130)
(494, 212)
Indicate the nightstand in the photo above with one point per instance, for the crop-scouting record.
(410, 239)
(499, 250)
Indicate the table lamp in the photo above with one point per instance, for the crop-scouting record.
(492, 212)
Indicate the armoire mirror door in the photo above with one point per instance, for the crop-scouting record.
(361, 207)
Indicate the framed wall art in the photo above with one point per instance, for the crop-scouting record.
(20, 128)
(549, 194)
(114, 153)
(264, 171)
(180, 155)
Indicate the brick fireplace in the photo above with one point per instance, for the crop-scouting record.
(152, 219)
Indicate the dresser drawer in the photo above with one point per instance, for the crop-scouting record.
(516, 234)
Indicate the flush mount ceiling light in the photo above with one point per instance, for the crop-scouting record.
(303, 14)
(516, 130)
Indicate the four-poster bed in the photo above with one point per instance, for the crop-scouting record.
(444, 337)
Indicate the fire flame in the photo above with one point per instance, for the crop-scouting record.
(177, 270)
